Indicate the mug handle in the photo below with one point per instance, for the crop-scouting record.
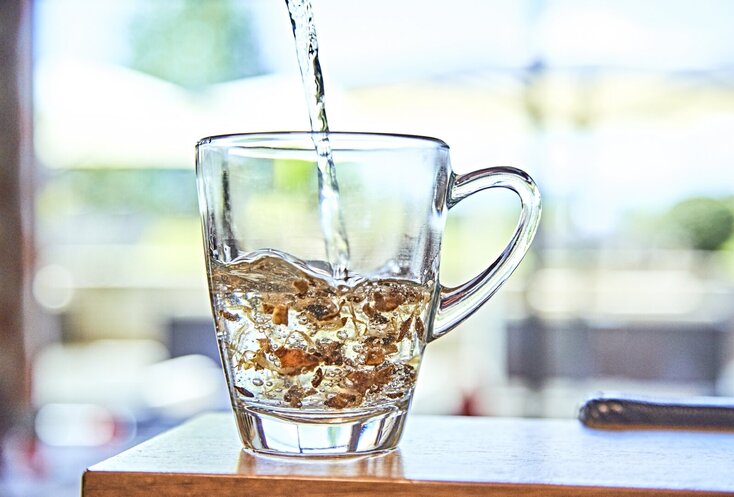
(458, 303)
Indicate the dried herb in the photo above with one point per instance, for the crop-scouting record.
(375, 317)
(295, 395)
(322, 312)
(295, 361)
(359, 381)
(369, 311)
(280, 314)
(318, 377)
(389, 302)
(376, 348)
(264, 344)
(420, 329)
(374, 357)
(229, 316)
(243, 391)
(342, 400)
(407, 372)
(301, 286)
(260, 360)
(383, 375)
(330, 352)
(404, 328)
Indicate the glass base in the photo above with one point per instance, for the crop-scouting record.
(324, 434)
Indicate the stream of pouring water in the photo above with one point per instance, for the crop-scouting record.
(332, 220)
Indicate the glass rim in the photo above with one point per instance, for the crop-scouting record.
(259, 138)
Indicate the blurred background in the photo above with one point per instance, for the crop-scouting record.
(622, 111)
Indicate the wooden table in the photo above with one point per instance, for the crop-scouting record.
(439, 456)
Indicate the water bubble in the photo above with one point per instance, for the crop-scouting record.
(358, 348)
(257, 382)
(342, 335)
(268, 383)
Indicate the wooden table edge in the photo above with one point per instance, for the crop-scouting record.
(140, 484)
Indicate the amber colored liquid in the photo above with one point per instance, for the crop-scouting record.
(291, 338)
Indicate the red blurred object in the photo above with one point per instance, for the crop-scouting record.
(470, 404)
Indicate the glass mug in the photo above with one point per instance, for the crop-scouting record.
(325, 366)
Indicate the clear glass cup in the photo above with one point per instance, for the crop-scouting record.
(323, 365)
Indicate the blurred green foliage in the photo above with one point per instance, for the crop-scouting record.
(702, 223)
(697, 223)
(194, 42)
(293, 174)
